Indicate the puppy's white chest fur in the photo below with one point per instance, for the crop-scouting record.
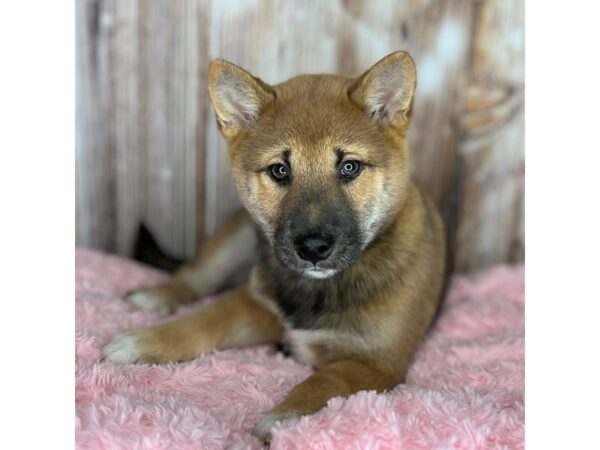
(303, 344)
(306, 346)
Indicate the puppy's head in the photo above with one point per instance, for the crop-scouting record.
(320, 161)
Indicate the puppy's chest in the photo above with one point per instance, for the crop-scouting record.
(314, 317)
(322, 318)
(310, 347)
(307, 305)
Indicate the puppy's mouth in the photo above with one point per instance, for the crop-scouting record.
(339, 260)
(318, 271)
(319, 274)
(317, 252)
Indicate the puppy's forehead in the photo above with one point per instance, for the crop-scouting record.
(332, 86)
(312, 113)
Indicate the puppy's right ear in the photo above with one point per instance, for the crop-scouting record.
(237, 96)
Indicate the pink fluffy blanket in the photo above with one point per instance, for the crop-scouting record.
(465, 388)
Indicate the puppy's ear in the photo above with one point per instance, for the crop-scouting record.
(385, 91)
(238, 97)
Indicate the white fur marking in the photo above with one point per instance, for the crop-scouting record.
(147, 301)
(263, 428)
(301, 342)
(319, 273)
(122, 349)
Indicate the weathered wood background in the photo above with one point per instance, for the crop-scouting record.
(147, 147)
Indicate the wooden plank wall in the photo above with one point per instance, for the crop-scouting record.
(148, 147)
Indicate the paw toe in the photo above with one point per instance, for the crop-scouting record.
(122, 349)
(147, 301)
(262, 430)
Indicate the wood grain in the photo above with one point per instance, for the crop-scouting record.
(95, 187)
(491, 150)
(138, 66)
(147, 143)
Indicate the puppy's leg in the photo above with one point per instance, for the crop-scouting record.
(341, 378)
(223, 257)
(235, 321)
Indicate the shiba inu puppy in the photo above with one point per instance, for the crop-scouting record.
(346, 253)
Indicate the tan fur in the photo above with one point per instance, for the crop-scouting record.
(236, 320)
(226, 256)
(366, 319)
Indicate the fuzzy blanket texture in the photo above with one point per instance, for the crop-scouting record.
(465, 389)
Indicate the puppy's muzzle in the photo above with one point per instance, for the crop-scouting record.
(314, 247)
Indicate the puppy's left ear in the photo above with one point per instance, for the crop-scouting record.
(385, 91)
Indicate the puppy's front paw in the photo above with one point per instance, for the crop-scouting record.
(152, 300)
(157, 345)
(123, 349)
(262, 430)
(144, 345)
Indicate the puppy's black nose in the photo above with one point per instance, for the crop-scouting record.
(314, 247)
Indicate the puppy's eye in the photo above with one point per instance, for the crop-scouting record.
(350, 169)
(279, 172)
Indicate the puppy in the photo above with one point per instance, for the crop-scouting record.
(346, 253)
